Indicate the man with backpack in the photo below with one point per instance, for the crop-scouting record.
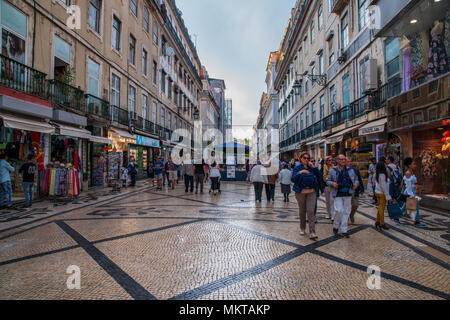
(305, 187)
(395, 177)
(358, 192)
(343, 183)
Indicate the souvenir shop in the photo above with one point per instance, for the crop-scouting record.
(63, 174)
(18, 139)
(144, 152)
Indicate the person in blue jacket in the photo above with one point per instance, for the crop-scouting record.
(358, 192)
(305, 188)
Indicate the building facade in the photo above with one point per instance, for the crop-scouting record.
(85, 79)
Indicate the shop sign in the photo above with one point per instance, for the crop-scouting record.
(371, 130)
(231, 172)
(145, 141)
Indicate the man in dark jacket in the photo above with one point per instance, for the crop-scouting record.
(132, 171)
(358, 192)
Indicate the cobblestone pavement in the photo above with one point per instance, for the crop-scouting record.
(144, 244)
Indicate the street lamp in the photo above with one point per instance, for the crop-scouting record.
(320, 79)
(196, 114)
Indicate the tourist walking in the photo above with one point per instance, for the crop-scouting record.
(358, 192)
(215, 178)
(28, 171)
(343, 183)
(371, 181)
(5, 181)
(258, 178)
(382, 194)
(272, 176)
(320, 183)
(132, 171)
(187, 171)
(159, 166)
(305, 188)
(328, 198)
(285, 181)
(199, 173)
(166, 173)
(410, 192)
(151, 174)
(395, 177)
(172, 170)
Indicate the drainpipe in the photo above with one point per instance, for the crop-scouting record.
(34, 34)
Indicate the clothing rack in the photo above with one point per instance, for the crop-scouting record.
(59, 184)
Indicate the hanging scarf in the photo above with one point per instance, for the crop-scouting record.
(37, 149)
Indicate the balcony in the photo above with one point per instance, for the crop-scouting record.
(67, 96)
(20, 77)
(391, 89)
(97, 107)
(338, 5)
(119, 115)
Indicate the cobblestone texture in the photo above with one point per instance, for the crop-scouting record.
(143, 244)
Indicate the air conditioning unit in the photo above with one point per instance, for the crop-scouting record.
(369, 76)
(342, 57)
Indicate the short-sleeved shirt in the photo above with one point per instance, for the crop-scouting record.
(159, 167)
(28, 170)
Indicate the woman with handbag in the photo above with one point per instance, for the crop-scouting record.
(382, 194)
(409, 191)
(305, 187)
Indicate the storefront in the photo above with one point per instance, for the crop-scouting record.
(143, 152)
(20, 137)
(97, 155)
(121, 141)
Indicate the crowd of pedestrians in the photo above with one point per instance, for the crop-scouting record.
(341, 184)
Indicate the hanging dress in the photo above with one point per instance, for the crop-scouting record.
(407, 69)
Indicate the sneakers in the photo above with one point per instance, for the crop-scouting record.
(419, 224)
(313, 236)
(302, 232)
(345, 235)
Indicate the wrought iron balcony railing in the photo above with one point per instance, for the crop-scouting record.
(66, 95)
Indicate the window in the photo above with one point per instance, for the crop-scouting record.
(163, 117)
(301, 121)
(344, 31)
(134, 7)
(132, 57)
(330, 5)
(313, 113)
(363, 13)
(321, 64)
(306, 86)
(144, 62)
(146, 20)
(320, 17)
(155, 113)
(312, 32)
(322, 106)
(332, 97)
(346, 90)
(361, 63)
(392, 58)
(94, 14)
(296, 124)
(116, 33)
(313, 72)
(144, 107)
(169, 88)
(93, 78)
(163, 81)
(155, 72)
(331, 59)
(115, 90)
(307, 117)
(155, 33)
(14, 31)
(169, 119)
(132, 99)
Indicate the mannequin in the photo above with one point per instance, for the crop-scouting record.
(437, 58)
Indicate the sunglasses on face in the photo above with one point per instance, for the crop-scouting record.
(306, 158)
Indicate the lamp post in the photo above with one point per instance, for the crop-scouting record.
(320, 79)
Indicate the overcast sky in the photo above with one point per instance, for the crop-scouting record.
(234, 39)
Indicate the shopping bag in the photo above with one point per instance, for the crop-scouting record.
(411, 203)
(394, 210)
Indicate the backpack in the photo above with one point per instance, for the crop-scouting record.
(395, 176)
(307, 181)
(344, 182)
(149, 169)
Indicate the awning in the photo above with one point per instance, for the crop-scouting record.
(373, 127)
(25, 124)
(73, 131)
(100, 140)
(338, 137)
(315, 142)
(123, 133)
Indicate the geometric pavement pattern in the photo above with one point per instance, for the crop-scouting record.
(168, 245)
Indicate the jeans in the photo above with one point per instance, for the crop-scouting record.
(199, 179)
(28, 190)
(270, 192)
(258, 190)
(342, 208)
(306, 203)
(5, 189)
(189, 182)
(133, 179)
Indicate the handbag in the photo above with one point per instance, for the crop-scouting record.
(394, 210)
(411, 203)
